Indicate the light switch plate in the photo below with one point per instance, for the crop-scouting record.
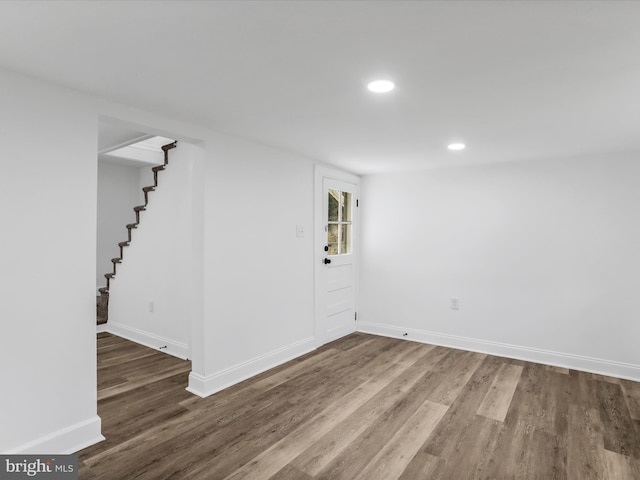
(455, 303)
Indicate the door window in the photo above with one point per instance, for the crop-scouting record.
(339, 223)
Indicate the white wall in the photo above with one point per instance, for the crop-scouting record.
(47, 268)
(250, 292)
(145, 179)
(542, 255)
(156, 266)
(118, 192)
(258, 276)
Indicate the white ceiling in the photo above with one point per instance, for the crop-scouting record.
(114, 135)
(514, 80)
(144, 151)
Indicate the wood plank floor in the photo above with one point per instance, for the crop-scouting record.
(363, 407)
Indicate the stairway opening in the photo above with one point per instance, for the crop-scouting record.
(129, 164)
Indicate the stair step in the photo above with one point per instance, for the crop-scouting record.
(103, 290)
(158, 168)
(169, 146)
(148, 189)
(123, 244)
(116, 260)
(109, 276)
(138, 209)
(132, 225)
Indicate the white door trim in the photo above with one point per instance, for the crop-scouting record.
(320, 173)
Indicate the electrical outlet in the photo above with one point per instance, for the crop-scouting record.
(455, 303)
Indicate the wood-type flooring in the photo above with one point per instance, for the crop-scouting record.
(363, 408)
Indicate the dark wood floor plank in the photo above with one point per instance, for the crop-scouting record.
(422, 466)
(619, 432)
(561, 370)
(632, 395)
(453, 428)
(621, 467)
(532, 442)
(547, 457)
(363, 449)
(337, 441)
(547, 412)
(105, 339)
(392, 459)
(383, 361)
(136, 411)
(278, 455)
(457, 377)
(585, 450)
(498, 399)
(526, 452)
(290, 473)
(467, 456)
(141, 379)
(363, 407)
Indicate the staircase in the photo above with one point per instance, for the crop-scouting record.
(102, 301)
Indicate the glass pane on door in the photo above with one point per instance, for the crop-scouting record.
(334, 205)
(332, 239)
(345, 238)
(345, 207)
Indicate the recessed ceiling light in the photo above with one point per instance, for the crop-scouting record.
(456, 146)
(381, 86)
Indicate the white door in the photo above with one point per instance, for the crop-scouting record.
(337, 273)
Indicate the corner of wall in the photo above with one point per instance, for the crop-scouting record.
(166, 345)
(203, 386)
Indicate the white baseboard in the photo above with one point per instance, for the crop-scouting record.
(565, 360)
(205, 386)
(147, 339)
(101, 328)
(66, 440)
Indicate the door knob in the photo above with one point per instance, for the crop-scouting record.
(327, 261)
